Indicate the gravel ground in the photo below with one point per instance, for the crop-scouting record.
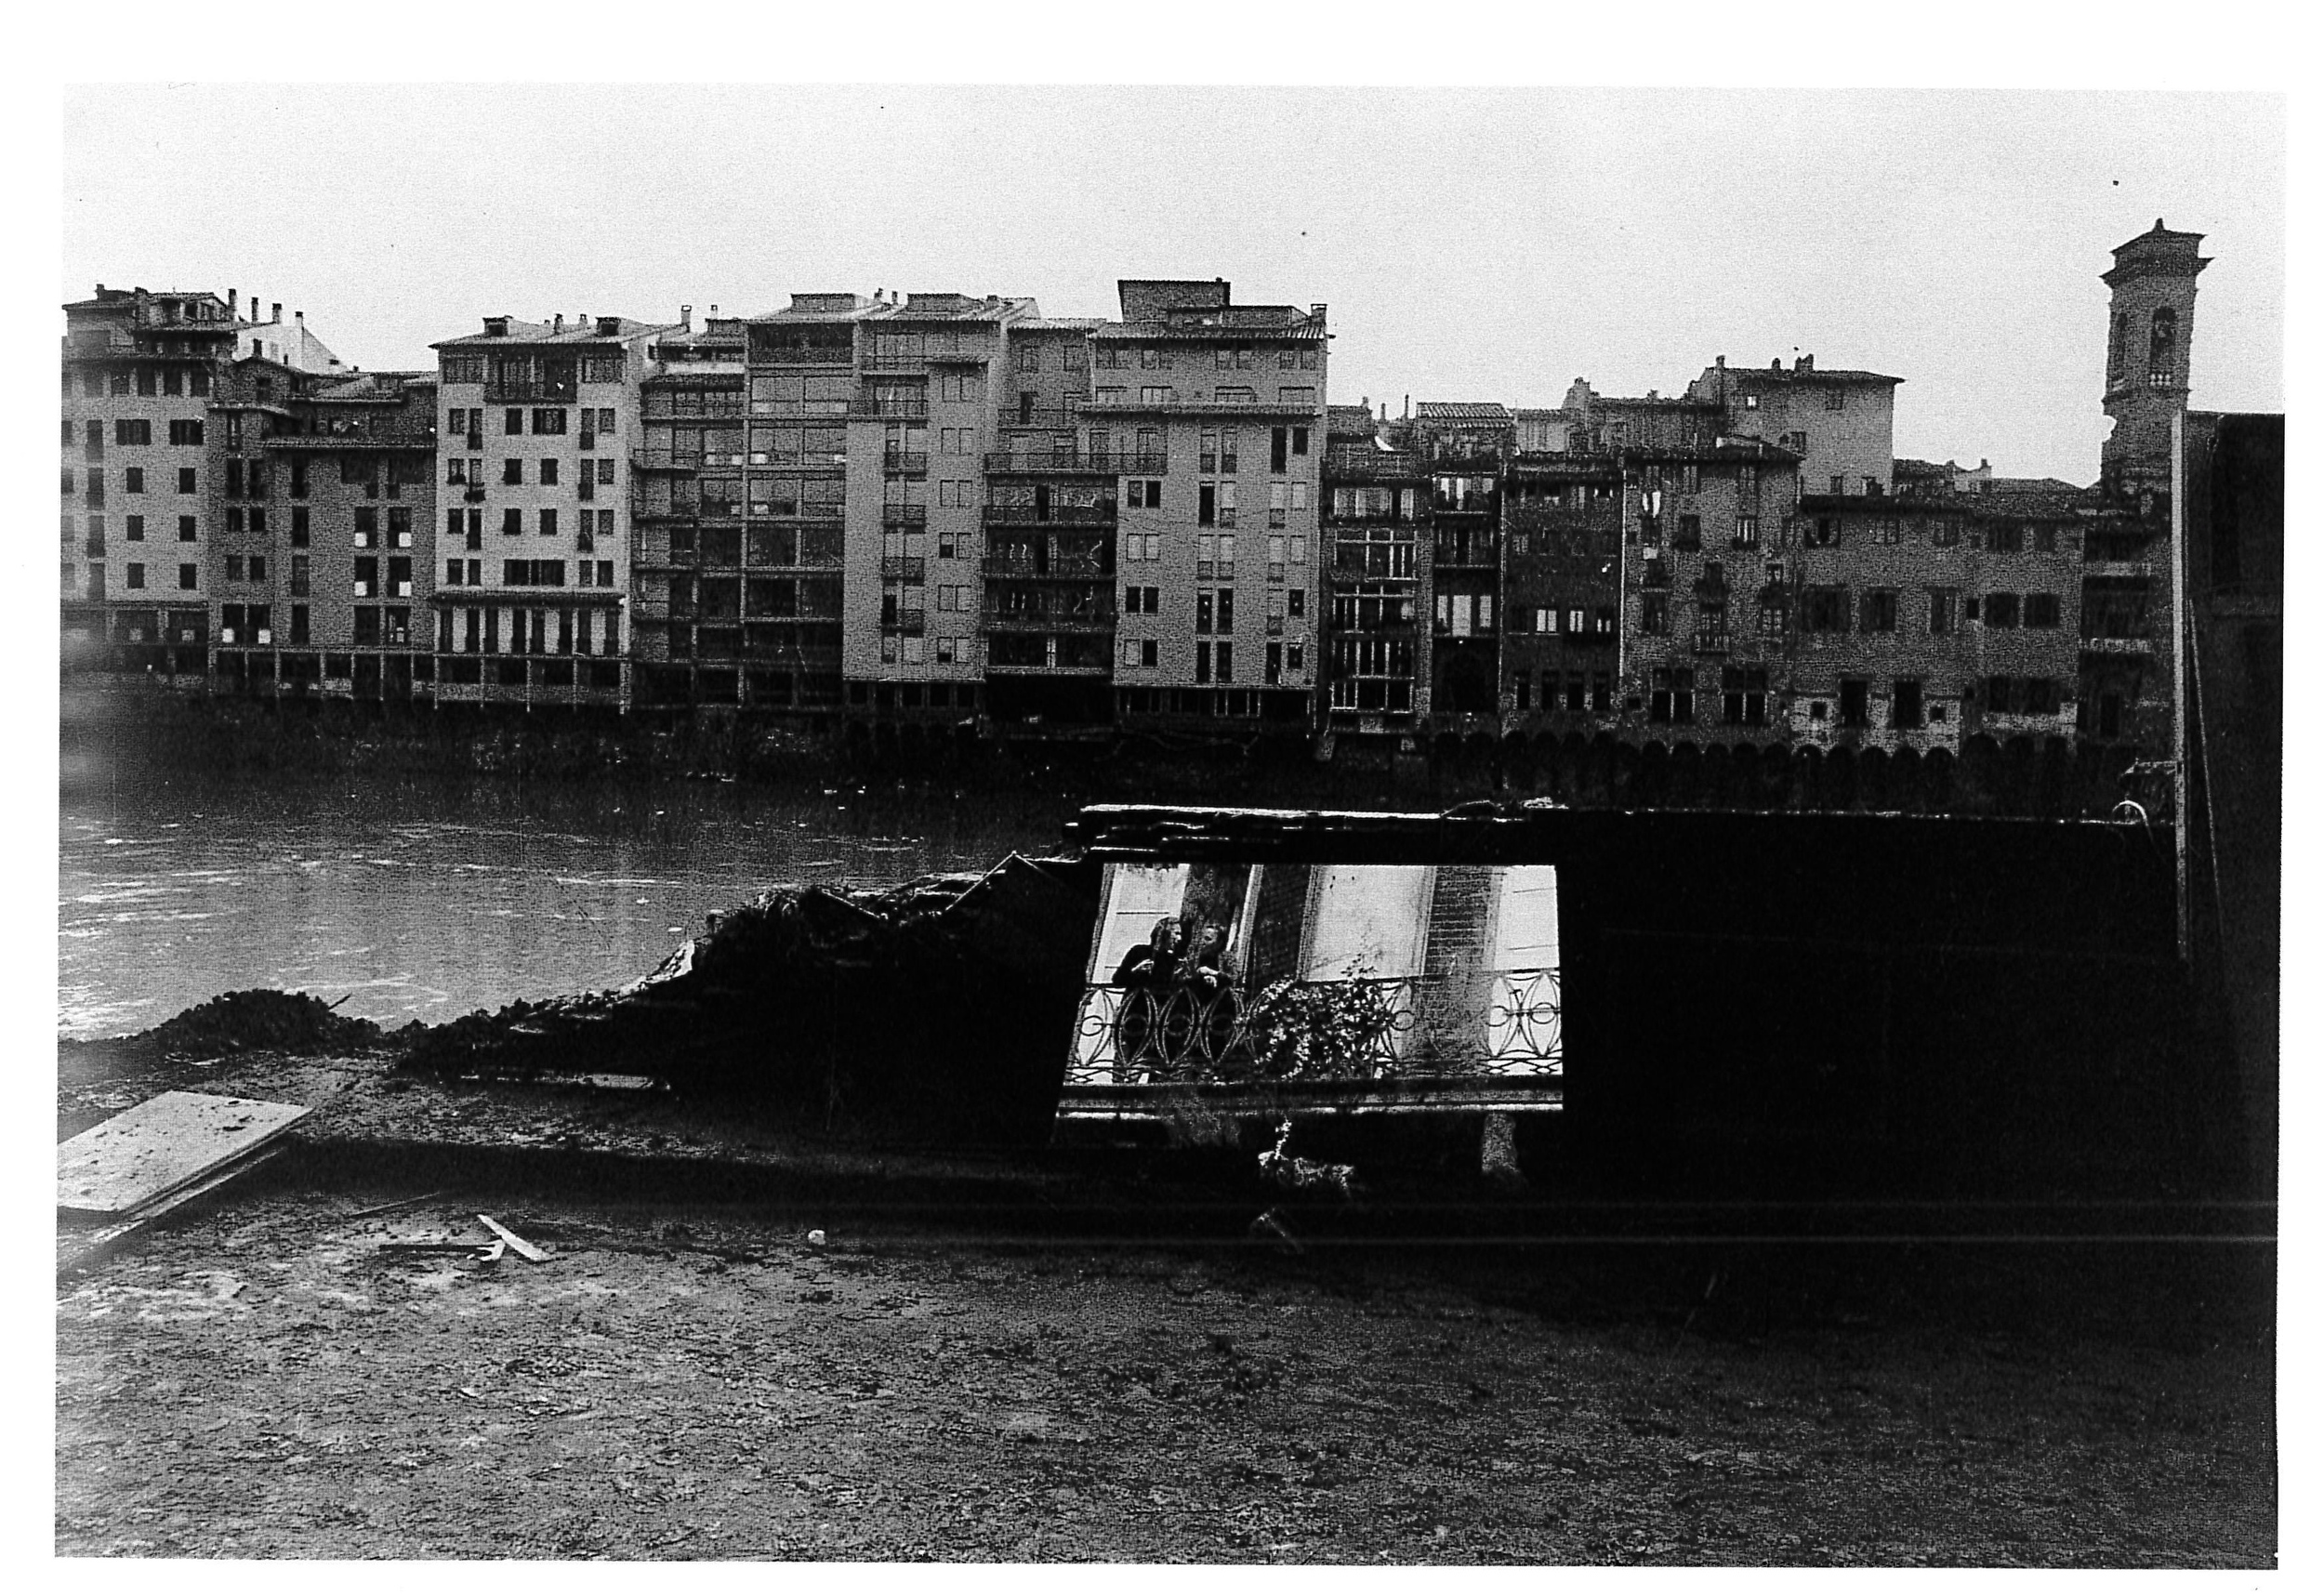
(265, 1381)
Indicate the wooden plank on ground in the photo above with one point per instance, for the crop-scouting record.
(163, 1145)
(80, 1248)
(516, 1242)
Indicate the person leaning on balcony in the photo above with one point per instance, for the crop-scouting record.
(1206, 971)
(1153, 961)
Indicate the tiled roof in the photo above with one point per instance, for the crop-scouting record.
(1813, 374)
(1468, 414)
(573, 332)
(1059, 324)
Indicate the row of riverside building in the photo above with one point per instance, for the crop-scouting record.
(944, 510)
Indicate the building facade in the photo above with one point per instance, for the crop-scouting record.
(1215, 413)
(139, 369)
(1378, 559)
(324, 562)
(539, 437)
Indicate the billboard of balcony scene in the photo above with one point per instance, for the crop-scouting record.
(1401, 981)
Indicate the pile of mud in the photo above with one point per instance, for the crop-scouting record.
(261, 1019)
(941, 1008)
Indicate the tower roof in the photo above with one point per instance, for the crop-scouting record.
(2158, 252)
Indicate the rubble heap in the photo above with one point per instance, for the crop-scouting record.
(945, 1005)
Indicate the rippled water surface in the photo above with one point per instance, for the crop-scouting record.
(423, 900)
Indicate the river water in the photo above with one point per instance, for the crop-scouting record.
(420, 899)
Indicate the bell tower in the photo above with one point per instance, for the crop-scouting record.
(2150, 333)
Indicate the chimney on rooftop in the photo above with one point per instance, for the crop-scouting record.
(230, 300)
(558, 324)
(1806, 363)
(686, 317)
(713, 315)
(1721, 362)
(608, 326)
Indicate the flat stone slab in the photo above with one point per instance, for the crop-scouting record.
(146, 1153)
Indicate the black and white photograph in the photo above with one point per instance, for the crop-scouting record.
(1242, 818)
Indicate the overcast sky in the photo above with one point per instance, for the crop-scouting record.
(1490, 244)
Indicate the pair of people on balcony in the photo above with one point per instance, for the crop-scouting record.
(1158, 962)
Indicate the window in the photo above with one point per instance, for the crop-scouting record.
(132, 432)
(188, 480)
(137, 574)
(135, 529)
(189, 577)
(1690, 533)
(1835, 399)
(549, 524)
(2000, 610)
(512, 523)
(512, 472)
(1743, 693)
(1671, 698)
(1824, 610)
(1747, 532)
(185, 433)
(548, 470)
(2005, 539)
(2042, 609)
(1943, 610)
(549, 423)
(512, 424)
(1879, 610)
(1839, 485)
(1654, 614)
(187, 529)
(1855, 702)
(1888, 529)
(1903, 704)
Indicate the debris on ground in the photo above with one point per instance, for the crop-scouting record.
(515, 1242)
(934, 1007)
(116, 1178)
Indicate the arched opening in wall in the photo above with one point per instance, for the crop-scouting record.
(1650, 785)
(1520, 766)
(1466, 686)
(2118, 347)
(2054, 780)
(1719, 785)
(1749, 768)
(2018, 776)
(1873, 785)
(1803, 789)
(1977, 780)
(1907, 781)
(1621, 787)
(2162, 347)
(1686, 776)
(1479, 752)
(1937, 779)
(1840, 780)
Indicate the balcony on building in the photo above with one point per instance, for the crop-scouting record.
(909, 568)
(903, 515)
(1077, 463)
(1040, 514)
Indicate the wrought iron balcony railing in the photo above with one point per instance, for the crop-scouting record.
(1500, 1024)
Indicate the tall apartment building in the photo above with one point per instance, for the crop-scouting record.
(138, 371)
(1841, 423)
(1052, 511)
(1466, 448)
(929, 373)
(690, 588)
(1379, 548)
(536, 531)
(1216, 412)
(802, 365)
(321, 567)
